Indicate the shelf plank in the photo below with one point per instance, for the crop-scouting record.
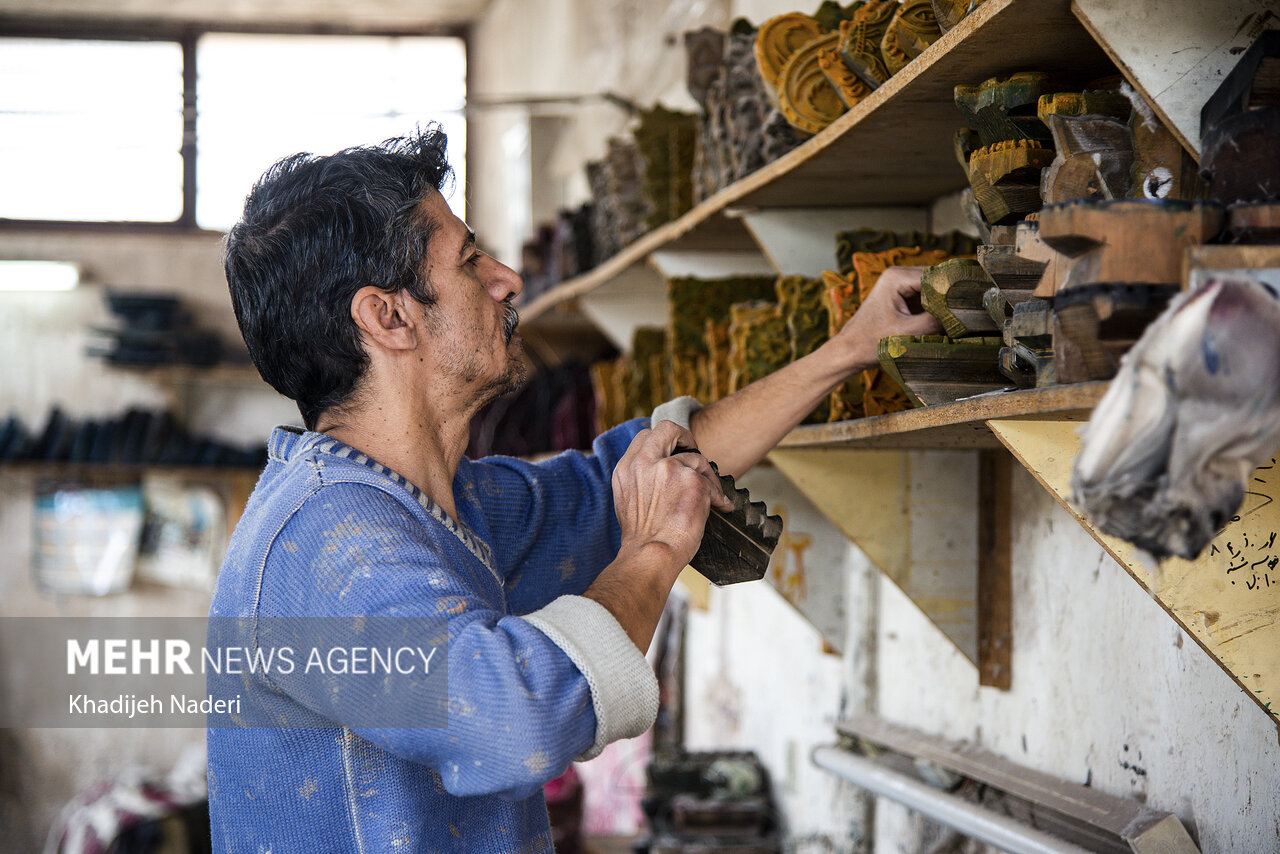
(954, 426)
(907, 124)
(894, 148)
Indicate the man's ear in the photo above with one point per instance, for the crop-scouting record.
(384, 317)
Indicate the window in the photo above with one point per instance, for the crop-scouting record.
(92, 130)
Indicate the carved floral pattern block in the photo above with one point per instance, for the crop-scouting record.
(758, 342)
(860, 41)
(649, 386)
(704, 56)
(666, 140)
(742, 129)
(805, 95)
(880, 240)
(610, 387)
(717, 367)
(691, 302)
(1005, 178)
(801, 299)
(1003, 108)
(849, 87)
(779, 39)
(949, 12)
(912, 29)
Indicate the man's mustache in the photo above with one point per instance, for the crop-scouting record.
(510, 319)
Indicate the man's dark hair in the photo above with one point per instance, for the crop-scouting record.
(316, 230)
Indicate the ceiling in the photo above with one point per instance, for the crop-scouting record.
(364, 14)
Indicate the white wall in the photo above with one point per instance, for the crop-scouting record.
(1104, 684)
(43, 337)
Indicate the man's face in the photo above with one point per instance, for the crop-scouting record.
(472, 326)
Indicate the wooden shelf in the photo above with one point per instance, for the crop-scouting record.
(894, 148)
(956, 426)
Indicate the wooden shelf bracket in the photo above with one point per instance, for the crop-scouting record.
(1227, 600)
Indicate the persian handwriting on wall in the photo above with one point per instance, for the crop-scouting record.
(1252, 560)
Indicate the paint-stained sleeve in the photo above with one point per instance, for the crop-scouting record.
(551, 524)
(518, 707)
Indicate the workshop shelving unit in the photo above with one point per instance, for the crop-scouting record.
(895, 149)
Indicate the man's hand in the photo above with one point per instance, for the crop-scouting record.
(741, 428)
(892, 308)
(662, 500)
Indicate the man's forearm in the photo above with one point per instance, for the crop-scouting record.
(634, 589)
(737, 431)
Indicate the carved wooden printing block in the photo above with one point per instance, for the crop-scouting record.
(949, 12)
(953, 292)
(1240, 127)
(805, 95)
(861, 39)
(1127, 259)
(779, 39)
(736, 546)
(1127, 242)
(800, 298)
(1005, 178)
(691, 302)
(1001, 109)
(758, 342)
(848, 86)
(932, 369)
(1094, 159)
(912, 29)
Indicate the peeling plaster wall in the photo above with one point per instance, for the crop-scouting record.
(1107, 689)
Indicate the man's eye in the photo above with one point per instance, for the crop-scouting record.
(473, 259)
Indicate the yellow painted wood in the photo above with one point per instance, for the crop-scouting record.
(868, 495)
(696, 585)
(1228, 599)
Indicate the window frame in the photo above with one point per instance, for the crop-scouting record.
(187, 36)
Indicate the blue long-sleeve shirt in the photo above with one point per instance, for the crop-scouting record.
(537, 675)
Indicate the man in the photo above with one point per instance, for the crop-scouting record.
(364, 299)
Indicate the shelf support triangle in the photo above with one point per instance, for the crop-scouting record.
(1227, 600)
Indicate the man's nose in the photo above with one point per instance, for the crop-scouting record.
(506, 283)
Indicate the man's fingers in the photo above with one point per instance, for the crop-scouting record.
(904, 280)
(699, 463)
(921, 324)
(665, 437)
